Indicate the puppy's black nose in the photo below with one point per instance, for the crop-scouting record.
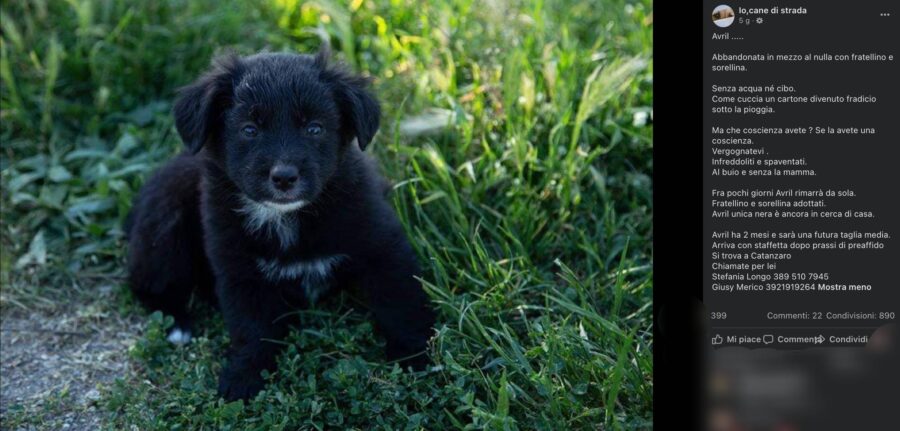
(284, 177)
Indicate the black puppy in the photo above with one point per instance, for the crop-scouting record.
(272, 206)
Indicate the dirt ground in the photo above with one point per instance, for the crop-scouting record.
(54, 365)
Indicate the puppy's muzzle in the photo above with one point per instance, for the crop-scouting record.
(284, 177)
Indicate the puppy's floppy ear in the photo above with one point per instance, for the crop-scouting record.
(360, 111)
(359, 108)
(199, 106)
(323, 56)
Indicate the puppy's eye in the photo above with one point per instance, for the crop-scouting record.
(314, 129)
(249, 131)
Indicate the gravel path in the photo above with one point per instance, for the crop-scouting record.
(54, 365)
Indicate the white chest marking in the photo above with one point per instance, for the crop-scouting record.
(313, 274)
(271, 219)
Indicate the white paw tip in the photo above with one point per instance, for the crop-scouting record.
(179, 337)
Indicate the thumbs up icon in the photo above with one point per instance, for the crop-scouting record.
(717, 340)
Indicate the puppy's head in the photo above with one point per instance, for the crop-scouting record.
(277, 123)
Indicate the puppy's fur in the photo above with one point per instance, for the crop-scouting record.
(272, 205)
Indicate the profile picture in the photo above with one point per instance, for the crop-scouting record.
(723, 15)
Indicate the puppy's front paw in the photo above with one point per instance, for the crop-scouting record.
(179, 336)
(413, 355)
(417, 363)
(239, 384)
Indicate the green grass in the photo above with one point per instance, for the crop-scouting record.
(526, 193)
